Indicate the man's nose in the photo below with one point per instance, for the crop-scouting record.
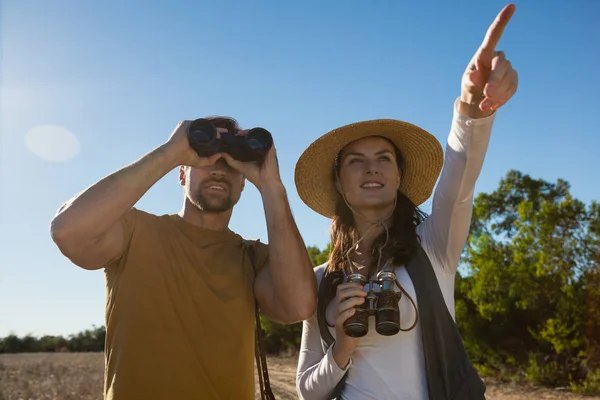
(220, 168)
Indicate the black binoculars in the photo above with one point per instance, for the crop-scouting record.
(202, 136)
(384, 305)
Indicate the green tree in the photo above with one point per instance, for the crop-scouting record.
(48, 344)
(88, 340)
(12, 344)
(317, 256)
(529, 296)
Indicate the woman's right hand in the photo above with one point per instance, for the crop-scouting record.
(348, 295)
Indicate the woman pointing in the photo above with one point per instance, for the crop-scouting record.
(384, 328)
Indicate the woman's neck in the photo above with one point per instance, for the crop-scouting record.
(367, 231)
(370, 223)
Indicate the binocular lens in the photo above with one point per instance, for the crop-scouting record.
(358, 324)
(202, 136)
(201, 128)
(259, 139)
(388, 322)
(387, 319)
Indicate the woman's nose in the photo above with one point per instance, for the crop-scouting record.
(371, 168)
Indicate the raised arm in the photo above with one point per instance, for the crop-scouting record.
(488, 83)
(286, 288)
(90, 228)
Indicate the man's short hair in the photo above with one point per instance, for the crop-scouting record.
(228, 123)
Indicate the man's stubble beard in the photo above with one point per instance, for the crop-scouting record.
(213, 205)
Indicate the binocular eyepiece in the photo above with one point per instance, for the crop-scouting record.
(202, 136)
(384, 305)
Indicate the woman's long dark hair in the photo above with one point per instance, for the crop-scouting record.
(403, 238)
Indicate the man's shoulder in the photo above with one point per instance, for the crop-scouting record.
(152, 216)
(139, 216)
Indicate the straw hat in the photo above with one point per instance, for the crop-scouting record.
(422, 153)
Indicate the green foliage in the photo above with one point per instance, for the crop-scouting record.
(88, 340)
(318, 257)
(590, 385)
(280, 338)
(530, 298)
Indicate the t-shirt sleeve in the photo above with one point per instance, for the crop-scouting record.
(261, 255)
(130, 218)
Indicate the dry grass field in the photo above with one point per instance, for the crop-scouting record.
(78, 376)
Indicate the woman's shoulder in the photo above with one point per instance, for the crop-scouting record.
(320, 272)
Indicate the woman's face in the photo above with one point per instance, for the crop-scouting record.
(369, 174)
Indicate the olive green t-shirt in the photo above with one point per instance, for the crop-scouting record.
(180, 312)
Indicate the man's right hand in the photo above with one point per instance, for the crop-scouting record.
(341, 308)
(90, 228)
(179, 146)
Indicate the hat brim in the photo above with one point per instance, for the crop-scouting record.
(422, 154)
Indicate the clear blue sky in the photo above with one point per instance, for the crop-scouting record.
(88, 87)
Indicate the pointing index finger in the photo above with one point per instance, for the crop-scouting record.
(495, 30)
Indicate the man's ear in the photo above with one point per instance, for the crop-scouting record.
(182, 177)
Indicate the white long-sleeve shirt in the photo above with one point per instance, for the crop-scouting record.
(393, 367)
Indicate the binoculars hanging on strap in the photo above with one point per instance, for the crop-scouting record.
(383, 305)
(203, 138)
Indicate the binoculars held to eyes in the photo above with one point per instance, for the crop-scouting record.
(202, 136)
(384, 305)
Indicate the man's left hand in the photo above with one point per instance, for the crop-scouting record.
(259, 174)
(489, 80)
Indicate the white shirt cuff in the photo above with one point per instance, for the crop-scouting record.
(468, 121)
(468, 129)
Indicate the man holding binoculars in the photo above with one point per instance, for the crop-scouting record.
(182, 288)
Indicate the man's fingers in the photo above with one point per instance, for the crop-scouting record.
(205, 162)
(495, 30)
(215, 157)
(185, 124)
(233, 163)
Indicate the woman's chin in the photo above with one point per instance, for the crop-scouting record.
(371, 205)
